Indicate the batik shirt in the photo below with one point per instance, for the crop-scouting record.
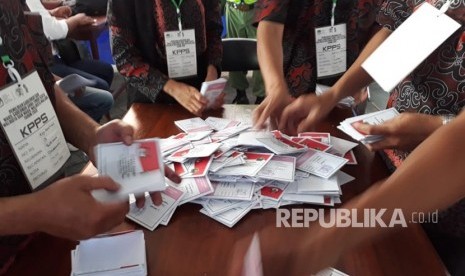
(437, 85)
(138, 42)
(21, 36)
(300, 18)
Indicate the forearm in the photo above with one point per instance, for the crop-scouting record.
(141, 75)
(428, 180)
(270, 55)
(356, 78)
(78, 128)
(18, 215)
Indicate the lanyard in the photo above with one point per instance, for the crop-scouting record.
(178, 11)
(333, 11)
(8, 63)
(445, 6)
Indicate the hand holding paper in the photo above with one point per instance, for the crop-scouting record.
(405, 132)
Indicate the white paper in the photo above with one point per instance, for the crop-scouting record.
(280, 168)
(193, 188)
(150, 216)
(320, 163)
(192, 125)
(138, 168)
(111, 254)
(232, 190)
(409, 45)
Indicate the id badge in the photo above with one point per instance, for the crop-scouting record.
(181, 53)
(32, 129)
(331, 50)
(409, 45)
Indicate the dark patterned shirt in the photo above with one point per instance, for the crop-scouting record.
(138, 43)
(300, 18)
(437, 85)
(21, 37)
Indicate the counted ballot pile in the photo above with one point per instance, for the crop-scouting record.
(230, 170)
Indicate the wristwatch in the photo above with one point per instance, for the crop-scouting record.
(447, 118)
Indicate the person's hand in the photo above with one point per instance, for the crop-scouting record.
(404, 132)
(156, 196)
(67, 208)
(219, 101)
(212, 74)
(61, 12)
(271, 107)
(286, 252)
(305, 112)
(187, 96)
(111, 132)
(78, 20)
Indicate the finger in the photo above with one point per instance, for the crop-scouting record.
(386, 143)
(257, 112)
(98, 182)
(290, 117)
(156, 198)
(368, 129)
(140, 201)
(126, 132)
(172, 175)
(265, 114)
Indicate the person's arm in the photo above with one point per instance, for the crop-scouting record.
(53, 28)
(214, 27)
(309, 109)
(431, 178)
(140, 74)
(270, 57)
(64, 209)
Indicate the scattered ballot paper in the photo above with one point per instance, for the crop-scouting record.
(113, 254)
(212, 89)
(375, 118)
(230, 170)
(138, 168)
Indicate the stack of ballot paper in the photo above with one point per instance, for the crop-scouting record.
(375, 118)
(114, 254)
(230, 170)
(138, 168)
(212, 89)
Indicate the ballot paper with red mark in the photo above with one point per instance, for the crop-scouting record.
(138, 168)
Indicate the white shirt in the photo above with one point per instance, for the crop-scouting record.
(53, 28)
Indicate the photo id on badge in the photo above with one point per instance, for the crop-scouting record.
(181, 53)
(331, 50)
(409, 45)
(32, 128)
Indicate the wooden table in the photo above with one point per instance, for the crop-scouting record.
(91, 33)
(193, 244)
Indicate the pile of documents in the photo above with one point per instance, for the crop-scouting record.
(230, 170)
(375, 118)
(114, 254)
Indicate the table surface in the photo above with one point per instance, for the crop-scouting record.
(193, 244)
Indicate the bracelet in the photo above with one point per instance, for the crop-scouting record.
(446, 119)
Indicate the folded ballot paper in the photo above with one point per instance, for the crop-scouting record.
(375, 118)
(138, 168)
(212, 89)
(231, 170)
(113, 254)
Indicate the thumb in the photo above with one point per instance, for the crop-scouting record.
(368, 129)
(101, 182)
